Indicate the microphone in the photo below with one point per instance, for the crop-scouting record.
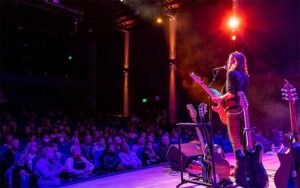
(219, 68)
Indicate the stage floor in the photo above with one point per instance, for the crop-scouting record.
(161, 177)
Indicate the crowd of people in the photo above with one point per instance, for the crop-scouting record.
(43, 149)
(46, 149)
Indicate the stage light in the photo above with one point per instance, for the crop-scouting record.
(233, 22)
(233, 37)
(70, 57)
(144, 100)
(159, 20)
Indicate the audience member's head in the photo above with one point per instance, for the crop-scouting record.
(87, 139)
(110, 148)
(75, 152)
(15, 144)
(117, 140)
(125, 148)
(47, 152)
(165, 140)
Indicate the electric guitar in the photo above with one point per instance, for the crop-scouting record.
(250, 171)
(222, 166)
(288, 173)
(212, 93)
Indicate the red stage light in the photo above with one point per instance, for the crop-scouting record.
(233, 22)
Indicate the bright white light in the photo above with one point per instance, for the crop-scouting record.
(233, 22)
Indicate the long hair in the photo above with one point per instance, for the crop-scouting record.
(24, 156)
(241, 62)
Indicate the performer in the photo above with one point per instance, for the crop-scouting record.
(237, 79)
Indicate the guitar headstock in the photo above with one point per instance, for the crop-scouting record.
(192, 112)
(243, 100)
(289, 92)
(202, 110)
(195, 77)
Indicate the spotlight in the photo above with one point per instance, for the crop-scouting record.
(233, 37)
(233, 22)
(159, 20)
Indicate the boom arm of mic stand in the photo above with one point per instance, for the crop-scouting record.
(215, 74)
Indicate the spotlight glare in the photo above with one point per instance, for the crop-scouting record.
(233, 22)
(159, 20)
(233, 37)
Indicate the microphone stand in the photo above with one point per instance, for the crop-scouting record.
(215, 74)
(210, 145)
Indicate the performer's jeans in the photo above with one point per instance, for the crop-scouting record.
(235, 124)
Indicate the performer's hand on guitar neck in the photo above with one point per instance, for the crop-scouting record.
(219, 99)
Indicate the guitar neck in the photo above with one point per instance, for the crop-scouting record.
(248, 132)
(207, 89)
(293, 119)
(200, 137)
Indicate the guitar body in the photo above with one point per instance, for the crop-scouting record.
(221, 111)
(250, 171)
(284, 173)
(222, 166)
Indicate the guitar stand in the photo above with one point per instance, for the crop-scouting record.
(207, 128)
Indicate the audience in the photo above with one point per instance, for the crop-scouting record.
(163, 148)
(128, 158)
(79, 145)
(110, 160)
(150, 157)
(77, 164)
(47, 169)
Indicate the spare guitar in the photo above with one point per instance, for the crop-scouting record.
(212, 93)
(288, 173)
(250, 171)
(222, 166)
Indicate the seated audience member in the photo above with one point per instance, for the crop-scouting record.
(77, 164)
(11, 155)
(110, 160)
(128, 158)
(174, 137)
(99, 145)
(75, 143)
(63, 145)
(150, 157)
(45, 142)
(151, 138)
(97, 152)
(139, 147)
(24, 168)
(163, 148)
(57, 155)
(8, 160)
(117, 142)
(27, 157)
(47, 169)
(87, 146)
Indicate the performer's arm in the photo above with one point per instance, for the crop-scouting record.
(227, 96)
